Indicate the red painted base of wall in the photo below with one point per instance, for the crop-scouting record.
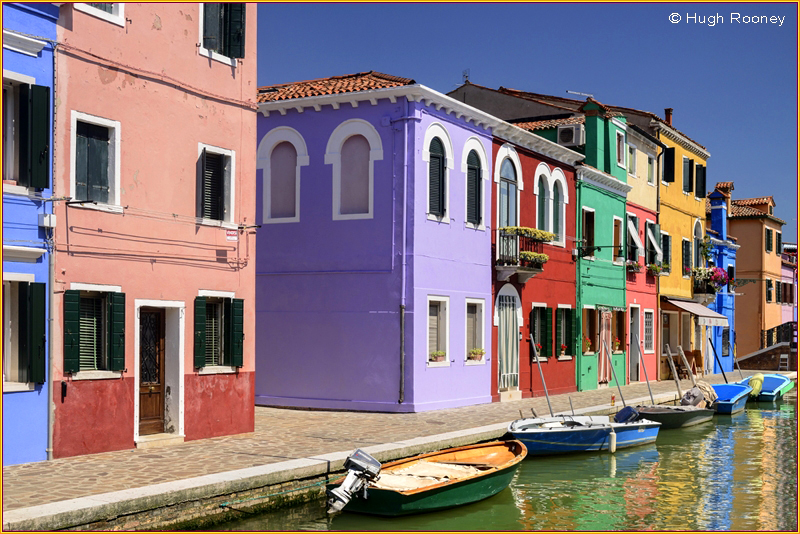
(94, 416)
(219, 405)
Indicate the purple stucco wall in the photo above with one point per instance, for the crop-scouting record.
(329, 291)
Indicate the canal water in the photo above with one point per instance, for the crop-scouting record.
(737, 473)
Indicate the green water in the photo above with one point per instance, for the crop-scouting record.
(736, 473)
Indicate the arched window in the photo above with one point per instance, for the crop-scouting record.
(354, 190)
(558, 212)
(508, 194)
(282, 185)
(541, 205)
(699, 259)
(474, 201)
(436, 184)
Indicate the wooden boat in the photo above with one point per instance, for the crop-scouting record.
(562, 434)
(731, 398)
(676, 416)
(439, 480)
(773, 387)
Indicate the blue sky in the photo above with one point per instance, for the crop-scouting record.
(733, 85)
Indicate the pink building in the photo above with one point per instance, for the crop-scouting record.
(787, 292)
(154, 263)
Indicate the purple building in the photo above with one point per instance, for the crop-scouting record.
(374, 258)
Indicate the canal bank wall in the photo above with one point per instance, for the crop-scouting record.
(201, 501)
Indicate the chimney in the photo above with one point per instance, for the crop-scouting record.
(668, 116)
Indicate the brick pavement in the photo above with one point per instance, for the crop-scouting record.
(280, 434)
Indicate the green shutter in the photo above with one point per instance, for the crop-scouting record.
(200, 332)
(116, 331)
(36, 317)
(72, 331)
(700, 181)
(212, 26)
(212, 186)
(34, 135)
(436, 178)
(547, 347)
(559, 329)
(473, 188)
(234, 332)
(572, 341)
(669, 165)
(778, 244)
(234, 36)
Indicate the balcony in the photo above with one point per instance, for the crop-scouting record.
(519, 251)
(706, 282)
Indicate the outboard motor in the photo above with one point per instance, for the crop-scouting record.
(692, 397)
(361, 470)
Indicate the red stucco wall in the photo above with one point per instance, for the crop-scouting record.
(219, 405)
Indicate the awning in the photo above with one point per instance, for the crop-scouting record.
(634, 234)
(704, 315)
(656, 244)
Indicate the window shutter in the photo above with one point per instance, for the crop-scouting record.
(34, 135)
(778, 237)
(669, 165)
(532, 319)
(559, 330)
(234, 36)
(768, 240)
(199, 332)
(572, 339)
(436, 178)
(72, 331)
(33, 317)
(212, 187)
(473, 188)
(687, 252)
(547, 346)
(116, 331)
(212, 26)
(778, 291)
(700, 181)
(234, 332)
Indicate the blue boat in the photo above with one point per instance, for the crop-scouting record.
(631, 430)
(731, 398)
(773, 387)
(562, 434)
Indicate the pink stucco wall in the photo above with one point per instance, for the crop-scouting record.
(149, 77)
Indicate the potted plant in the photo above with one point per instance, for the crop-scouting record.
(654, 269)
(476, 354)
(539, 349)
(633, 266)
(687, 271)
(563, 349)
(616, 343)
(665, 268)
(437, 356)
(587, 343)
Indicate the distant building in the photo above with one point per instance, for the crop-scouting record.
(789, 283)
(29, 32)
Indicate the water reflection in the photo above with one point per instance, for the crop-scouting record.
(736, 473)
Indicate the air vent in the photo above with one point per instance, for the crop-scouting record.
(571, 135)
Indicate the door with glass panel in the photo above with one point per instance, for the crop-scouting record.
(151, 371)
(508, 343)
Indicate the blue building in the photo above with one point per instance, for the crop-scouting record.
(28, 33)
(723, 255)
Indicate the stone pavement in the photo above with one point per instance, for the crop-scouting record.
(281, 435)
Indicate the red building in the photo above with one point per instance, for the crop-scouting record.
(533, 210)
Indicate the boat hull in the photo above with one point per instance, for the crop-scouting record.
(774, 386)
(569, 434)
(731, 397)
(440, 496)
(676, 416)
(635, 433)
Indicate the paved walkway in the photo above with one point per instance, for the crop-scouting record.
(280, 435)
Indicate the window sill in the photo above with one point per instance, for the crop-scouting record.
(108, 208)
(219, 224)
(473, 226)
(218, 370)
(618, 263)
(565, 358)
(651, 184)
(117, 19)
(13, 189)
(439, 218)
(16, 387)
(216, 56)
(96, 375)
(589, 258)
(649, 351)
(475, 362)
(439, 364)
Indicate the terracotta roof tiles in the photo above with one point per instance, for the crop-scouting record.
(552, 123)
(724, 186)
(754, 201)
(349, 83)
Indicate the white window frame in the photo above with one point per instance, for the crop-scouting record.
(567, 308)
(650, 236)
(671, 259)
(622, 241)
(11, 135)
(651, 170)
(100, 374)
(596, 328)
(623, 160)
(539, 306)
(481, 303)
(229, 185)
(117, 15)
(631, 164)
(333, 156)
(273, 138)
(216, 369)
(435, 129)
(691, 257)
(583, 230)
(637, 240)
(557, 177)
(205, 52)
(473, 143)
(507, 151)
(114, 159)
(443, 300)
(685, 159)
(8, 279)
(652, 348)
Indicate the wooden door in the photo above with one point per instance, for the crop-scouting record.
(151, 371)
(603, 365)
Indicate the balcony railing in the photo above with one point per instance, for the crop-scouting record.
(783, 333)
(519, 254)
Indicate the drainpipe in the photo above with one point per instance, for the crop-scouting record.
(404, 262)
(578, 307)
(51, 280)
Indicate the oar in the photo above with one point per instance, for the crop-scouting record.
(570, 406)
(614, 373)
(674, 371)
(721, 370)
(686, 363)
(737, 365)
(539, 364)
(641, 362)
